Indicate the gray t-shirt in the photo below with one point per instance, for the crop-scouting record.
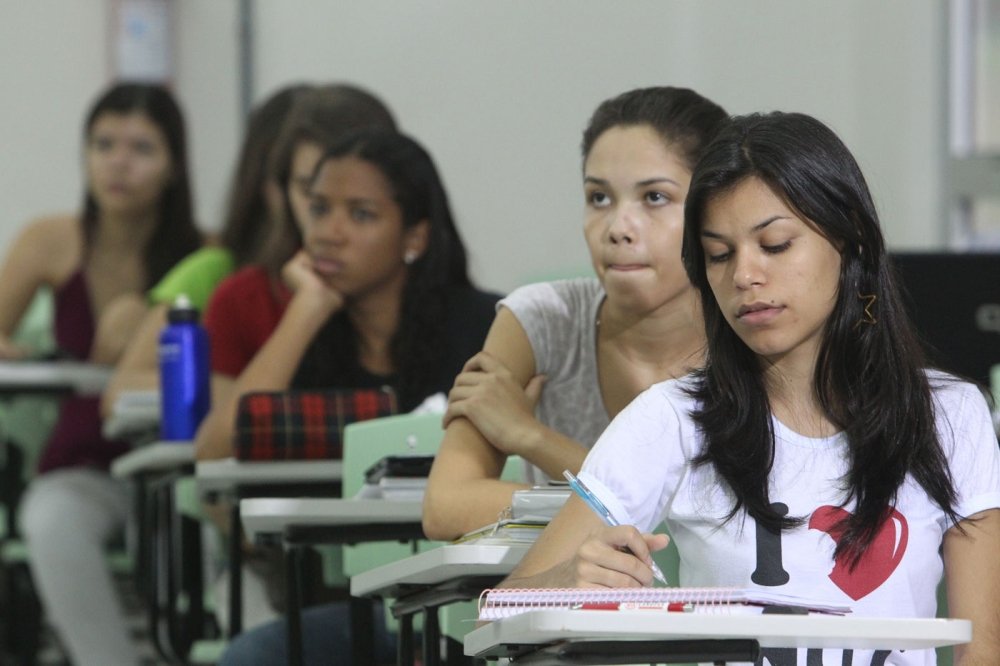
(560, 319)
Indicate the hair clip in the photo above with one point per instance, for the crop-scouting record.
(869, 317)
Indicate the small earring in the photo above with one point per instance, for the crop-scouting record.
(409, 257)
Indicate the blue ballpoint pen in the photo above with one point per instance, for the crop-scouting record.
(598, 506)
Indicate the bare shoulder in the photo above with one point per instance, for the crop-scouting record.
(508, 342)
(52, 232)
(64, 225)
(53, 244)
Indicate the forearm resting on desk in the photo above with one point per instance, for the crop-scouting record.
(455, 507)
(138, 369)
(465, 491)
(116, 327)
(214, 437)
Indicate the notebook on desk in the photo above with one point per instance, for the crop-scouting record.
(540, 503)
(530, 511)
(499, 603)
(397, 477)
(506, 532)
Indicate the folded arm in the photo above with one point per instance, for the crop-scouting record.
(490, 417)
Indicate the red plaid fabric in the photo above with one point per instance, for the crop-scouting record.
(297, 425)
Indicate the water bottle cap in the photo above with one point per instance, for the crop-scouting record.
(182, 310)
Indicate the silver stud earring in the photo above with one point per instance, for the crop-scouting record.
(409, 257)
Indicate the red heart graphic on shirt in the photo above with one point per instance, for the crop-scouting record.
(880, 558)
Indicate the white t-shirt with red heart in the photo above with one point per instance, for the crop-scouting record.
(640, 469)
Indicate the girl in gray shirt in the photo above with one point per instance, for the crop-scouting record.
(562, 358)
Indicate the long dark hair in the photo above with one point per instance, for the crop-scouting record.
(870, 378)
(248, 217)
(321, 116)
(417, 188)
(175, 234)
(681, 117)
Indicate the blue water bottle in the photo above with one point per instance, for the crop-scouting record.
(185, 389)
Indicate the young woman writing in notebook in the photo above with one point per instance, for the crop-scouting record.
(582, 349)
(815, 454)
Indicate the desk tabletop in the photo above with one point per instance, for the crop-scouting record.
(155, 457)
(438, 566)
(273, 515)
(134, 413)
(225, 475)
(789, 631)
(53, 377)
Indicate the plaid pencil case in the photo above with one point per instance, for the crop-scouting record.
(304, 425)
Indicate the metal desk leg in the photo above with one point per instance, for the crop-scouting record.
(151, 561)
(293, 556)
(404, 651)
(432, 637)
(157, 573)
(143, 532)
(235, 570)
(362, 630)
(191, 579)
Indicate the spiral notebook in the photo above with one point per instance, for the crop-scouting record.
(499, 603)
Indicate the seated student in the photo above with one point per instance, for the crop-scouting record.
(815, 427)
(248, 304)
(378, 295)
(251, 304)
(594, 342)
(254, 201)
(136, 222)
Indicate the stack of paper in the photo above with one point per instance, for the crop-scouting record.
(505, 532)
(540, 503)
(398, 488)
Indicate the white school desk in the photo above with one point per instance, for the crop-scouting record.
(429, 580)
(143, 466)
(52, 377)
(437, 566)
(304, 522)
(237, 479)
(134, 415)
(158, 537)
(229, 474)
(278, 516)
(153, 458)
(49, 378)
(521, 637)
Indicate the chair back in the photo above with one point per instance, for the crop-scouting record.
(367, 442)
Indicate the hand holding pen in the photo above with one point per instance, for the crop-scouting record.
(602, 511)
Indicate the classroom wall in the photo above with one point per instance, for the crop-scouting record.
(45, 87)
(57, 56)
(499, 92)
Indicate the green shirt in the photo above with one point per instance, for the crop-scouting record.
(196, 275)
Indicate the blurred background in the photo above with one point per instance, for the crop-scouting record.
(500, 92)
